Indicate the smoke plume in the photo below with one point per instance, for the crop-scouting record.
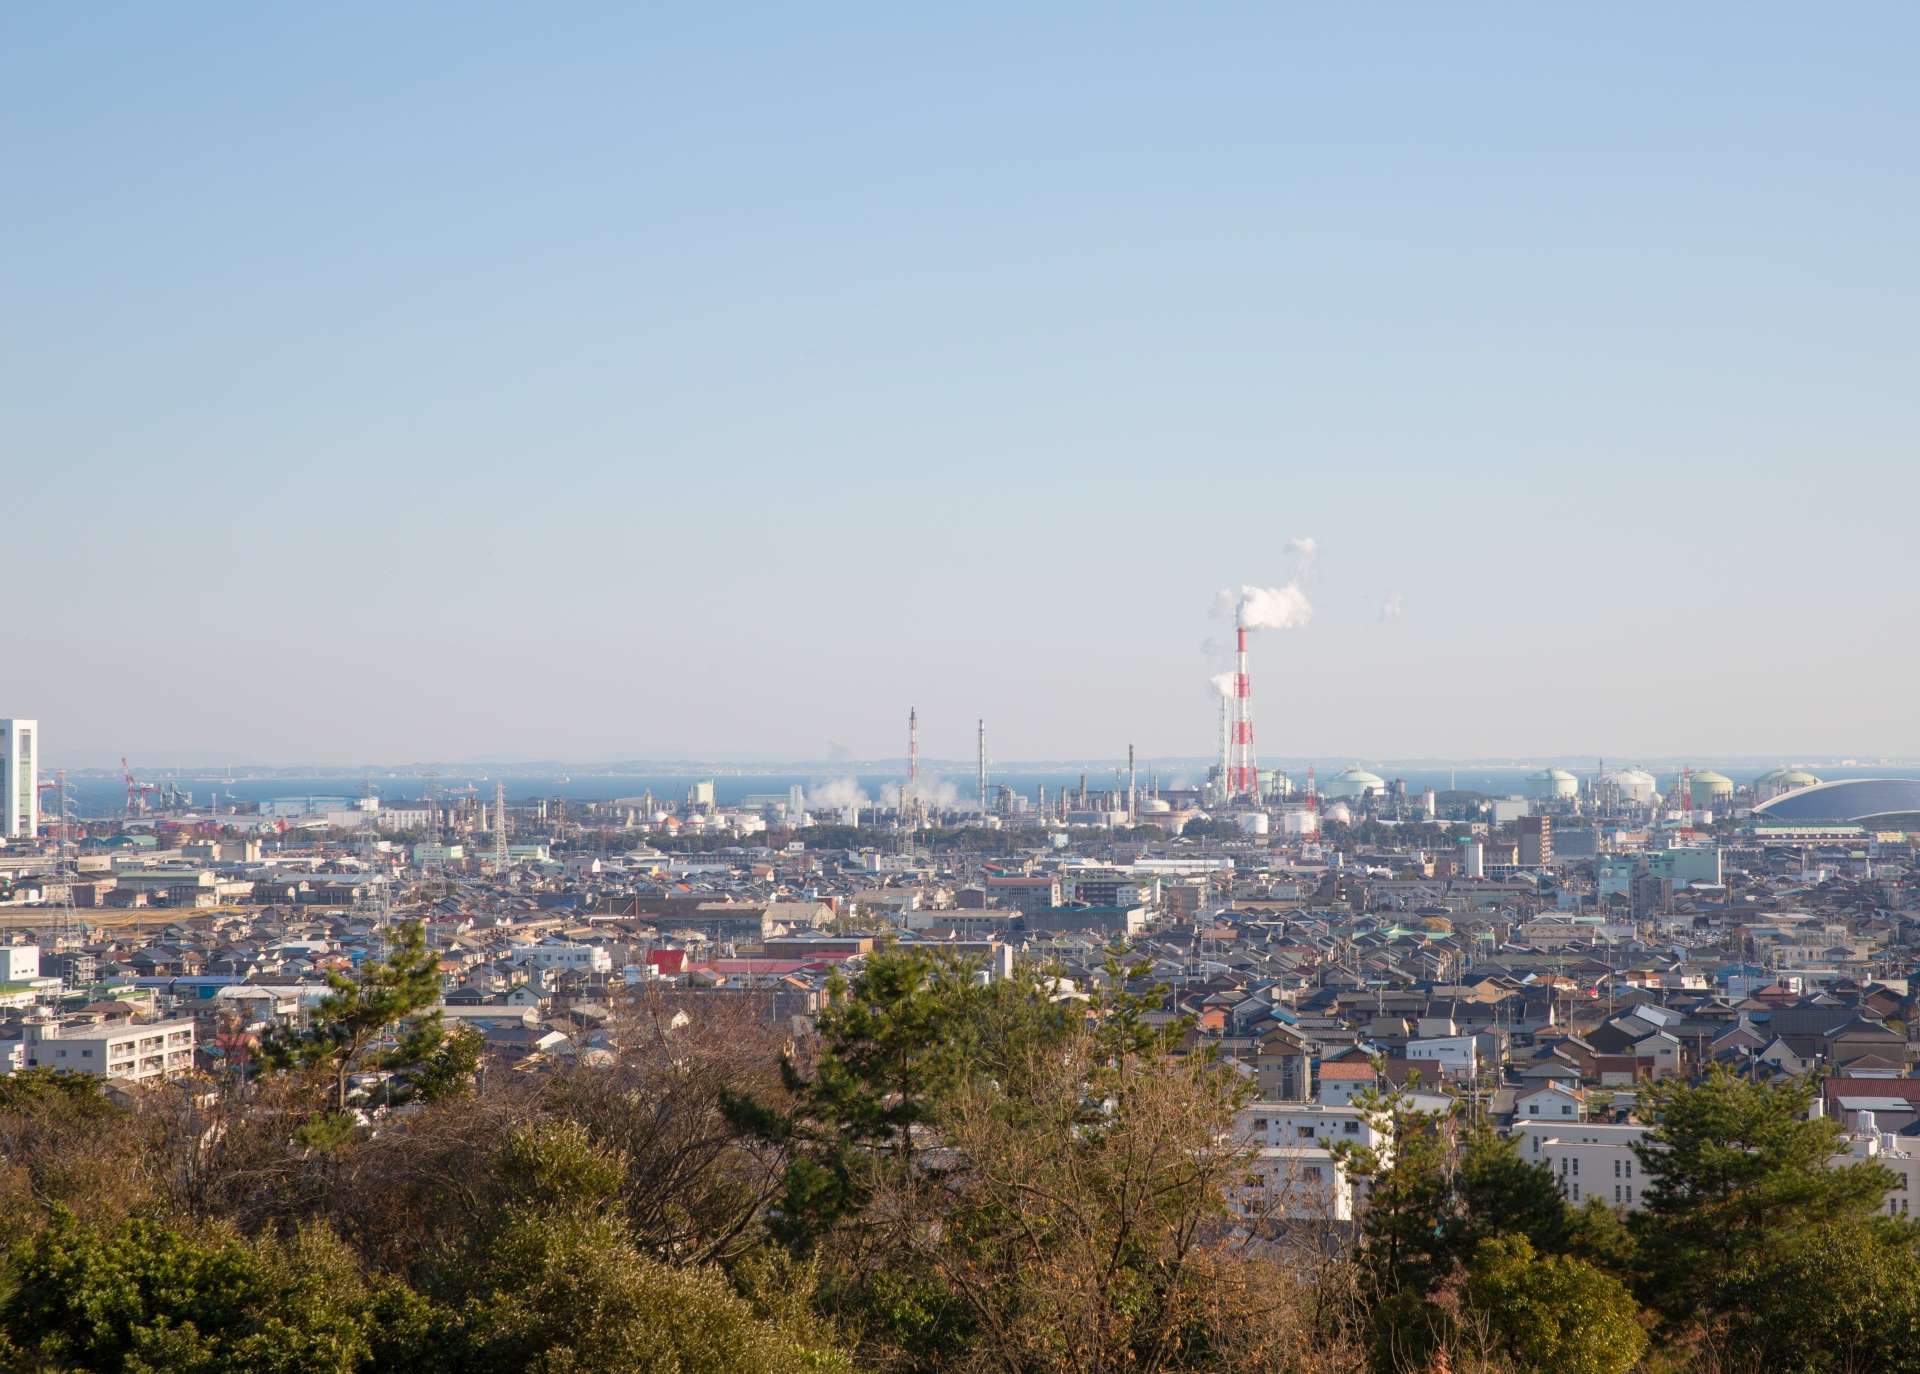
(936, 794)
(1266, 608)
(1305, 548)
(837, 795)
(1223, 683)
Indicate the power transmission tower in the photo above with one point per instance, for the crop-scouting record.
(500, 823)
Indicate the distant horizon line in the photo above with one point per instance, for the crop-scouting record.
(898, 763)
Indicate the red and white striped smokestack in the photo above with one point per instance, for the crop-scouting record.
(1244, 776)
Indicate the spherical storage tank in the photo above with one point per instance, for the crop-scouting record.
(1552, 784)
(1710, 787)
(1339, 814)
(1353, 785)
(1781, 780)
(1634, 784)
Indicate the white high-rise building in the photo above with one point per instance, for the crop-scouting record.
(19, 778)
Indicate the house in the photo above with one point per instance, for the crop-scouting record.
(1553, 1102)
(1863, 1036)
(1343, 1080)
(1457, 1054)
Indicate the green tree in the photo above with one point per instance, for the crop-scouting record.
(1553, 1311)
(1735, 1170)
(148, 1297)
(1441, 1186)
(1837, 1299)
(903, 1036)
(1076, 1236)
(386, 999)
(63, 1143)
(558, 1286)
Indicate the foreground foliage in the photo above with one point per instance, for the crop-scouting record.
(952, 1176)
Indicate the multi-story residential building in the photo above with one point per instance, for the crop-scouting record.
(1295, 1183)
(564, 957)
(133, 1052)
(1587, 1159)
(1306, 1123)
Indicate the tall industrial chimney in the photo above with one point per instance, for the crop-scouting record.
(982, 782)
(1244, 772)
(910, 802)
(1133, 810)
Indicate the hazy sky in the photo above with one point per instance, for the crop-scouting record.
(404, 381)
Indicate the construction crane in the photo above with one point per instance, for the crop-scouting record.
(137, 791)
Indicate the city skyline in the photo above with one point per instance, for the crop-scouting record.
(435, 384)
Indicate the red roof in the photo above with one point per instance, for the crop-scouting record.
(1347, 1072)
(758, 968)
(668, 961)
(1908, 1088)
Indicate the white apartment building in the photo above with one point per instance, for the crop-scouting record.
(1309, 1124)
(1295, 1183)
(580, 958)
(1588, 1159)
(1896, 1154)
(1456, 1053)
(19, 779)
(1299, 1178)
(129, 1052)
(1593, 1159)
(19, 963)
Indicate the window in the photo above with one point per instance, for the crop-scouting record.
(1616, 1192)
(1566, 1109)
(1306, 1133)
(1616, 1171)
(1353, 1128)
(1576, 1167)
(1576, 1192)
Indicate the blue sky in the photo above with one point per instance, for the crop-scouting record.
(584, 381)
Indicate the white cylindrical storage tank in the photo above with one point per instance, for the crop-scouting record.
(1552, 784)
(1254, 823)
(1634, 785)
(1354, 784)
(1473, 859)
(1301, 821)
(1710, 787)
